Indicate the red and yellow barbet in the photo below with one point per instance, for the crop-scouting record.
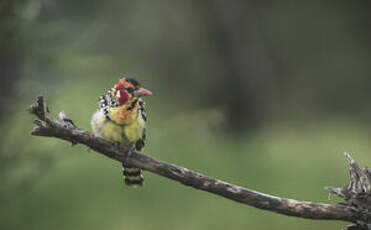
(121, 118)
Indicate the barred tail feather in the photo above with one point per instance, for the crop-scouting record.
(132, 176)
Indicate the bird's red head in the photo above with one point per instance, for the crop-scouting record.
(128, 88)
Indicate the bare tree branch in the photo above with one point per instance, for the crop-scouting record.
(356, 209)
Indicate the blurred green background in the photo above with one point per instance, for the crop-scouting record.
(264, 94)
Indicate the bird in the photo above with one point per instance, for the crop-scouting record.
(121, 118)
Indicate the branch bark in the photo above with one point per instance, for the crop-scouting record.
(356, 209)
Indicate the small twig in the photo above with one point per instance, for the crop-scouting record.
(357, 194)
(62, 115)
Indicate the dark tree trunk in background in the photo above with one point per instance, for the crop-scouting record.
(247, 77)
(11, 52)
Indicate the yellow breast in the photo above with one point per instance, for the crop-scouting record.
(134, 131)
(126, 133)
(106, 129)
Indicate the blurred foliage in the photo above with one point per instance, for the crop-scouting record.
(264, 94)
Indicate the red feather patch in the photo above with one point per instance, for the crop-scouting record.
(120, 84)
(124, 97)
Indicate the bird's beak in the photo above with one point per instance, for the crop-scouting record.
(142, 92)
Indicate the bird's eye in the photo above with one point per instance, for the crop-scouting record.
(129, 90)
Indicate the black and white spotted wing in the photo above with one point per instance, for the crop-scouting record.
(141, 112)
(106, 101)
